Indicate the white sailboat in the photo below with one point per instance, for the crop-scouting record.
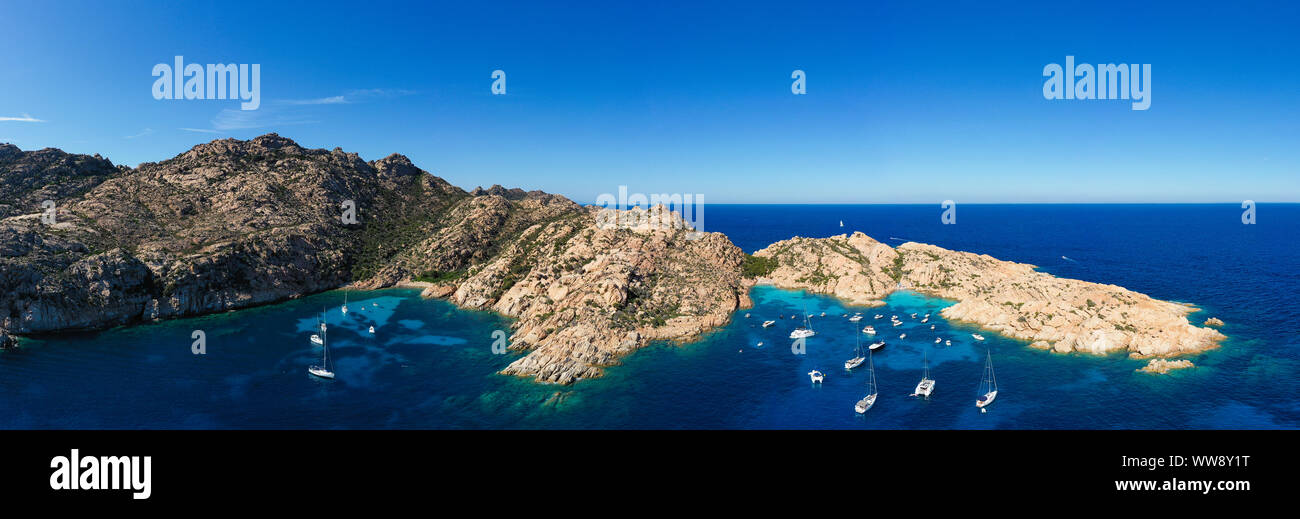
(858, 358)
(345, 303)
(804, 331)
(323, 370)
(841, 223)
(315, 338)
(989, 384)
(926, 386)
(867, 401)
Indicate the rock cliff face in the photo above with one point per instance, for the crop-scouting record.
(1011, 298)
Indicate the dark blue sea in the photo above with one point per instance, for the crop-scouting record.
(430, 365)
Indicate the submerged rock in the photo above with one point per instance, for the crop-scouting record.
(1162, 366)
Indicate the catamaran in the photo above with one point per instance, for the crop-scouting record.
(804, 331)
(926, 386)
(858, 358)
(323, 370)
(989, 385)
(869, 400)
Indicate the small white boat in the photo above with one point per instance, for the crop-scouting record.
(315, 339)
(869, 330)
(932, 327)
(372, 330)
(867, 401)
(804, 331)
(747, 316)
(914, 315)
(878, 316)
(902, 336)
(937, 340)
(816, 376)
(977, 336)
(898, 323)
(823, 314)
(947, 342)
(345, 303)
(841, 223)
(760, 343)
(989, 385)
(926, 320)
(926, 386)
(321, 372)
(858, 357)
(876, 345)
(768, 323)
(374, 304)
(855, 318)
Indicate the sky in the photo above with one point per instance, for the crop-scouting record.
(906, 102)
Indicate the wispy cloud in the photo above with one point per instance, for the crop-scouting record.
(146, 131)
(26, 118)
(335, 100)
(230, 119)
(200, 130)
(353, 96)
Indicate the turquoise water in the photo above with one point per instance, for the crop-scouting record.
(430, 365)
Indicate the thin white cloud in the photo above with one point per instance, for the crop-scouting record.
(200, 130)
(146, 131)
(334, 100)
(230, 119)
(26, 118)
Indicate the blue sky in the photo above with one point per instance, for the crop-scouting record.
(907, 102)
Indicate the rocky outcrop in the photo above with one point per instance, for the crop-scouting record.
(1013, 299)
(1163, 367)
(1214, 321)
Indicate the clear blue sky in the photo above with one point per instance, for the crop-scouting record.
(906, 101)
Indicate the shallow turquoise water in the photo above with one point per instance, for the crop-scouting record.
(430, 365)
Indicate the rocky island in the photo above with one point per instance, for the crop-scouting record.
(1014, 299)
(231, 224)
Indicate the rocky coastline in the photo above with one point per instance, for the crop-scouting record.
(233, 223)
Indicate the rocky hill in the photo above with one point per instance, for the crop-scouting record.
(1010, 298)
(231, 224)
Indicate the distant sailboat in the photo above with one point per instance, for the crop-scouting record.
(841, 223)
(867, 401)
(989, 385)
(858, 358)
(315, 338)
(323, 370)
(345, 303)
(926, 386)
